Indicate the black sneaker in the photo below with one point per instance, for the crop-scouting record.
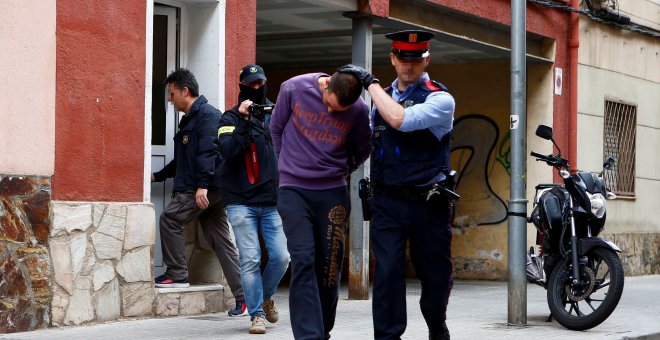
(240, 310)
(440, 334)
(165, 282)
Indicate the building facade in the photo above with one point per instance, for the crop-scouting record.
(618, 115)
(85, 122)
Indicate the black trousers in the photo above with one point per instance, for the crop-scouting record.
(315, 223)
(426, 227)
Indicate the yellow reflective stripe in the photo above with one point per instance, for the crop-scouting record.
(226, 129)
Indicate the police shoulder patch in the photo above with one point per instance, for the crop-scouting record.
(225, 129)
(433, 85)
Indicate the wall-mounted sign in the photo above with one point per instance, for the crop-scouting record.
(558, 80)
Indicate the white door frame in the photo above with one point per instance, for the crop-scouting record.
(163, 154)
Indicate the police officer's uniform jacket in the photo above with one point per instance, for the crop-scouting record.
(408, 160)
(195, 150)
(235, 136)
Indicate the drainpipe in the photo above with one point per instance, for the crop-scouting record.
(573, 44)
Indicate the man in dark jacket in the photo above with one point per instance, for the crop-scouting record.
(196, 187)
(249, 188)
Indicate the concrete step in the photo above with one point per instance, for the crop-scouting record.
(196, 299)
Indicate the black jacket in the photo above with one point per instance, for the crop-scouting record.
(195, 150)
(234, 137)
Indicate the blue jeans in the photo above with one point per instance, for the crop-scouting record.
(247, 222)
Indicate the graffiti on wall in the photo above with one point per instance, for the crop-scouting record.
(504, 153)
(475, 141)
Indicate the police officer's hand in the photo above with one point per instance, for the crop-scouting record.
(360, 73)
(243, 109)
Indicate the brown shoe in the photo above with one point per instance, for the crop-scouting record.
(258, 325)
(272, 315)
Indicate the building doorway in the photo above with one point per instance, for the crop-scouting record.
(163, 116)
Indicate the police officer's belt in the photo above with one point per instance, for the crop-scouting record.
(404, 193)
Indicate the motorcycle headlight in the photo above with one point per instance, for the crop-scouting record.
(597, 204)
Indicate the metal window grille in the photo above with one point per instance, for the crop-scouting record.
(620, 123)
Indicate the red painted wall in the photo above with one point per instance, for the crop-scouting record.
(99, 124)
(240, 44)
(548, 22)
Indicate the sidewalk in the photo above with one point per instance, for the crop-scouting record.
(477, 310)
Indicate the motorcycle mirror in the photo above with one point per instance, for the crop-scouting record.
(609, 162)
(544, 132)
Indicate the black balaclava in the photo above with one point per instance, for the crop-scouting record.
(257, 96)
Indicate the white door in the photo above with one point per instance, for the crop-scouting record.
(163, 116)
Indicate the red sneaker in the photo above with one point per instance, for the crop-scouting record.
(240, 310)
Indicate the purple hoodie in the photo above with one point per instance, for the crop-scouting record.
(313, 144)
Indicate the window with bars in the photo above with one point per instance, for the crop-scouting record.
(619, 138)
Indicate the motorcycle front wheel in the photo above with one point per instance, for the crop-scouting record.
(584, 306)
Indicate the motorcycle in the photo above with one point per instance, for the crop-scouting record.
(581, 272)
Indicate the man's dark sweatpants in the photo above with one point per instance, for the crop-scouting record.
(394, 221)
(315, 223)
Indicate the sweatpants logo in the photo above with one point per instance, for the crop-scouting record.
(337, 215)
(335, 243)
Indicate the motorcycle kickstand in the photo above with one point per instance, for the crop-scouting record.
(549, 319)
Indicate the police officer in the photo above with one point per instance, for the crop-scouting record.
(412, 122)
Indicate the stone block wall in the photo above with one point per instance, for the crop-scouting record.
(25, 269)
(640, 252)
(102, 260)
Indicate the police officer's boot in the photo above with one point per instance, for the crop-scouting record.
(441, 333)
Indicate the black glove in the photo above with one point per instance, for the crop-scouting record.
(360, 73)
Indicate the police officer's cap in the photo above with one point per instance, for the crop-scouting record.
(251, 73)
(410, 44)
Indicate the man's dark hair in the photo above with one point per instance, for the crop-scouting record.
(183, 78)
(346, 87)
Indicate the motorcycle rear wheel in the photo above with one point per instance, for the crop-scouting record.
(584, 306)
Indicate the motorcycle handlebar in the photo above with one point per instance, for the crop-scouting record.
(551, 160)
(538, 155)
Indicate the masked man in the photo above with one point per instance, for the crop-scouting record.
(249, 189)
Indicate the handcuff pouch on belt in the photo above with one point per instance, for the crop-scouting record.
(365, 193)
